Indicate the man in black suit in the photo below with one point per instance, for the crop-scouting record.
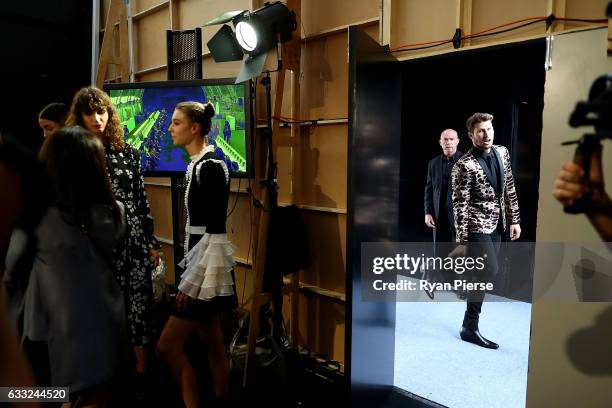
(438, 195)
(438, 200)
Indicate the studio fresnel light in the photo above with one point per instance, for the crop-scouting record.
(256, 32)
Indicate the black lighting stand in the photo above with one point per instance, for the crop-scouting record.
(274, 282)
(270, 181)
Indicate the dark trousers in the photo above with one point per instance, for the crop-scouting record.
(444, 243)
(445, 230)
(480, 245)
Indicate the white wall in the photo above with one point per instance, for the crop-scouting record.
(571, 344)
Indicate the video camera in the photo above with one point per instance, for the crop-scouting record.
(597, 112)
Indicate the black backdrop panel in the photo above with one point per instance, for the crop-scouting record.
(442, 92)
(373, 198)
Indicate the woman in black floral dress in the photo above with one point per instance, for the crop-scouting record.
(92, 109)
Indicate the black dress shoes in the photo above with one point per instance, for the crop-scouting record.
(428, 290)
(474, 336)
(462, 294)
(430, 293)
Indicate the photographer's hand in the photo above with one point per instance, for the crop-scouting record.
(572, 184)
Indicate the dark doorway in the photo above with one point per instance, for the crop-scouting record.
(442, 92)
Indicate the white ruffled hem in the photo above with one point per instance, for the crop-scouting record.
(208, 268)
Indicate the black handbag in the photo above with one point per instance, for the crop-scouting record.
(288, 248)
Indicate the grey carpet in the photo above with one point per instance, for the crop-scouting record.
(431, 360)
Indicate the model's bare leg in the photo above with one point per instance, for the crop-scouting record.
(170, 349)
(212, 337)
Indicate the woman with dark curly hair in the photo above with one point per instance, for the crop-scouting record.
(92, 109)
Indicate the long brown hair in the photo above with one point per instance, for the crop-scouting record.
(90, 99)
(76, 163)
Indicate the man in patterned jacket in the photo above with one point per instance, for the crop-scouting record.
(484, 205)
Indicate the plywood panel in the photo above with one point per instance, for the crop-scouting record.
(259, 109)
(239, 223)
(234, 183)
(104, 7)
(112, 70)
(142, 5)
(260, 100)
(320, 15)
(286, 108)
(324, 85)
(196, 13)
(162, 180)
(486, 16)
(419, 21)
(160, 202)
(150, 39)
(214, 69)
(168, 256)
(284, 159)
(324, 166)
(327, 238)
(260, 97)
(587, 9)
(161, 75)
(244, 285)
(322, 326)
(372, 31)
(590, 9)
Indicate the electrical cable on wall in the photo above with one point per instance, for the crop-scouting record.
(235, 201)
(256, 202)
(294, 121)
(551, 19)
(302, 65)
(242, 302)
(253, 148)
(489, 32)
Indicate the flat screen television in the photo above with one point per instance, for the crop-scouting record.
(145, 111)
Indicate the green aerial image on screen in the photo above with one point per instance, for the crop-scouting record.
(146, 114)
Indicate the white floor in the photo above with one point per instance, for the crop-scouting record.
(431, 360)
